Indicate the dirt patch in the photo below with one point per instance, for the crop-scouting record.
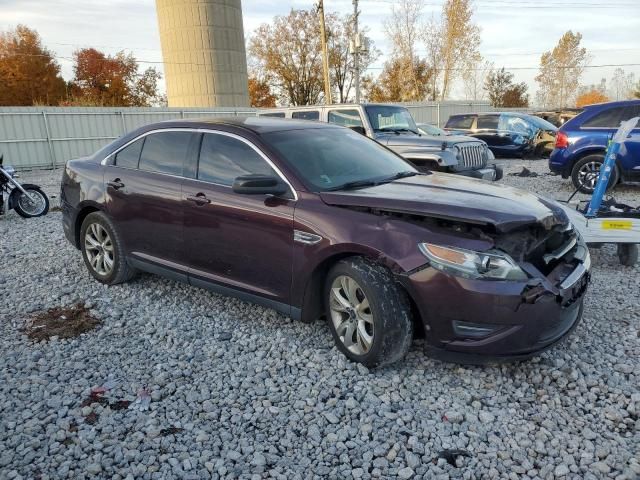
(61, 322)
(170, 431)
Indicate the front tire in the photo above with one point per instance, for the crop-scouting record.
(102, 250)
(584, 173)
(369, 313)
(36, 204)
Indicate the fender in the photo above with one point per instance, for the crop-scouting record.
(15, 193)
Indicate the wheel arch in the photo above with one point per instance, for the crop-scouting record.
(83, 212)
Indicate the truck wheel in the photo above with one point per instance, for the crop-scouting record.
(584, 173)
(369, 313)
(628, 254)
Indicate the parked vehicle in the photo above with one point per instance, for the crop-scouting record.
(394, 127)
(507, 134)
(314, 219)
(582, 141)
(431, 130)
(27, 200)
(559, 117)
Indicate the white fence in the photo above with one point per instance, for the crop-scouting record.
(36, 137)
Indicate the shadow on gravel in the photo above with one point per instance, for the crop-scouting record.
(61, 322)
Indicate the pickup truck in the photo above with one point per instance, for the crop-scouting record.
(394, 127)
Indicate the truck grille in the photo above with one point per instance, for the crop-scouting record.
(473, 155)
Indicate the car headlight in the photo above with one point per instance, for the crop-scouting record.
(470, 264)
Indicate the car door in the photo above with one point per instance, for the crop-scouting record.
(487, 130)
(236, 240)
(629, 157)
(144, 195)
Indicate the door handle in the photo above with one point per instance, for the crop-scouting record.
(116, 184)
(199, 198)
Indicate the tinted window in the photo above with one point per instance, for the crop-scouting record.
(461, 121)
(488, 122)
(390, 118)
(328, 158)
(346, 118)
(610, 118)
(306, 115)
(273, 114)
(165, 152)
(224, 158)
(128, 157)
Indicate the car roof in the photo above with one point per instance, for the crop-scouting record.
(620, 103)
(257, 125)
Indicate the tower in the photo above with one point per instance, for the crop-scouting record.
(203, 48)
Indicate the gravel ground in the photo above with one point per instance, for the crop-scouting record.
(241, 391)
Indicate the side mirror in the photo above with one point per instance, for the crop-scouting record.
(259, 185)
(358, 129)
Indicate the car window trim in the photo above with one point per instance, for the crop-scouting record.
(203, 130)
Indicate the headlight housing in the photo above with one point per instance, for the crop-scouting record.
(470, 264)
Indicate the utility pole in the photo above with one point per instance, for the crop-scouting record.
(325, 54)
(356, 50)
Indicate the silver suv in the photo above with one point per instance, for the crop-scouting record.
(394, 127)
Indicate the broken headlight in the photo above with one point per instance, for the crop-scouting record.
(470, 264)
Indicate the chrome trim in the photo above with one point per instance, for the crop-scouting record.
(204, 130)
(306, 237)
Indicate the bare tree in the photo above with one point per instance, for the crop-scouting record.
(433, 41)
(474, 76)
(622, 85)
(560, 71)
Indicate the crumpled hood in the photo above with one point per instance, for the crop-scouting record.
(453, 197)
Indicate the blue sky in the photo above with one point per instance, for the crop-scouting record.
(514, 32)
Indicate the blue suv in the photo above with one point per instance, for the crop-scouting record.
(581, 144)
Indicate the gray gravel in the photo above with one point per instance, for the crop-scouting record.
(252, 394)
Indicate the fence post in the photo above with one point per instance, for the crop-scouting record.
(49, 141)
(124, 123)
(438, 113)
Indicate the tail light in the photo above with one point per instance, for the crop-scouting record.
(562, 140)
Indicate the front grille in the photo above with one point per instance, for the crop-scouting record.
(474, 155)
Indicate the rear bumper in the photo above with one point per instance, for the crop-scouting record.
(521, 320)
(69, 215)
(560, 162)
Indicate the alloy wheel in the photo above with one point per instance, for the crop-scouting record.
(99, 249)
(33, 203)
(351, 315)
(588, 175)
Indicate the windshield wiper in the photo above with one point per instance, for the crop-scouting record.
(372, 182)
(397, 130)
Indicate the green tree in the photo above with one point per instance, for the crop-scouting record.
(29, 73)
(503, 93)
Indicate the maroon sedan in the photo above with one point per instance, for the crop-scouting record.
(315, 220)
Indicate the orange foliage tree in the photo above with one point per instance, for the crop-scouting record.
(112, 81)
(591, 97)
(29, 73)
(260, 95)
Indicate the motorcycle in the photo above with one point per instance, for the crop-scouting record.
(27, 200)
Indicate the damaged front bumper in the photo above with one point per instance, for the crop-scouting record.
(475, 321)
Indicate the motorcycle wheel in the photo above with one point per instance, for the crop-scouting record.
(35, 205)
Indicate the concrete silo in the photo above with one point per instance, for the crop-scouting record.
(205, 62)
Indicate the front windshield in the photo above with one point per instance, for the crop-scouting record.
(390, 118)
(431, 130)
(542, 123)
(329, 158)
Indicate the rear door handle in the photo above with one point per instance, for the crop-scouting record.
(199, 198)
(116, 184)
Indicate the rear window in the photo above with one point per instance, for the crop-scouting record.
(129, 156)
(165, 152)
(460, 121)
(306, 115)
(488, 122)
(610, 118)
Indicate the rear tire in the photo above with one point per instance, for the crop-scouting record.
(628, 254)
(102, 250)
(584, 173)
(369, 313)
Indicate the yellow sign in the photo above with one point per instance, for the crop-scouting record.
(617, 224)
